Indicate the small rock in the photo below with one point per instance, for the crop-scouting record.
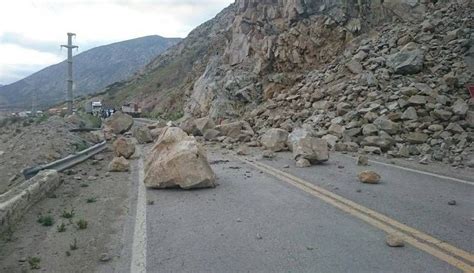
(268, 154)
(259, 237)
(309, 248)
(425, 160)
(286, 167)
(470, 163)
(303, 163)
(77, 177)
(340, 167)
(13, 178)
(119, 164)
(238, 220)
(99, 157)
(452, 203)
(275, 139)
(363, 160)
(105, 257)
(242, 151)
(393, 240)
(354, 67)
(369, 177)
(142, 134)
(124, 147)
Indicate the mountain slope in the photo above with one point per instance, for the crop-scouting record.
(368, 76)
(93, 70)
(236, 55)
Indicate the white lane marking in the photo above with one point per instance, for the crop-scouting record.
(138, 264)
(420, 172)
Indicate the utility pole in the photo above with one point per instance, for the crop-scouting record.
(70, 97)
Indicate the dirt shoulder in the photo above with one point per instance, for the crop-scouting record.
(89, 194)
(30, 142)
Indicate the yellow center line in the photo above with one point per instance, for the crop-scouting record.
(416, 238)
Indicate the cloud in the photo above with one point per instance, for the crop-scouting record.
(27, 42)
(43, 25)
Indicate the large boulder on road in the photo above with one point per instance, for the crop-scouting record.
(178, 160)
(143, 134)
(315, 150)
(296, 135)
(119, 123)
(124, 147)
(275, 140)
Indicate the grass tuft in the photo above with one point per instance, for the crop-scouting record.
(34, 262)
(46, 220)
(81, 224)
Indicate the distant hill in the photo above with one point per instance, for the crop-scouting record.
(93, 70)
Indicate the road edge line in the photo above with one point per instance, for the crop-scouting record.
(139, 247)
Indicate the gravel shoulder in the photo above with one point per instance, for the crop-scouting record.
(94, 195)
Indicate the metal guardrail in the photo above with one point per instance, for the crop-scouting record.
(67, 162)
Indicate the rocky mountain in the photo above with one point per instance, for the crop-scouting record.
(373, 76)
(93, 70)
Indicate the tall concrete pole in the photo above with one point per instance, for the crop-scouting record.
(70, 97)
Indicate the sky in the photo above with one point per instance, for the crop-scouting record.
(31, 31)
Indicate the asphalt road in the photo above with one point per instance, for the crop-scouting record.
(255, 222)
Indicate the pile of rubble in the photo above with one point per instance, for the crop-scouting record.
(176, 159)
(400, 91)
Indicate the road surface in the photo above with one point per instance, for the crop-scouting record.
(266, 217)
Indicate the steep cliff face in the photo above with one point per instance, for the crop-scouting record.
(270, 37)
(369, 76)
(256, 49)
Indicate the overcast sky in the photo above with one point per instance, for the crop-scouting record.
(32, 30)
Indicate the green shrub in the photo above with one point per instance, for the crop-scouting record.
(80, 146)
(46, 220)
(34, 262)
(68, 214)
(81, 224)
(61, 227)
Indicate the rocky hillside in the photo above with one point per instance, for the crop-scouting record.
(380, 76)
(93, 70)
